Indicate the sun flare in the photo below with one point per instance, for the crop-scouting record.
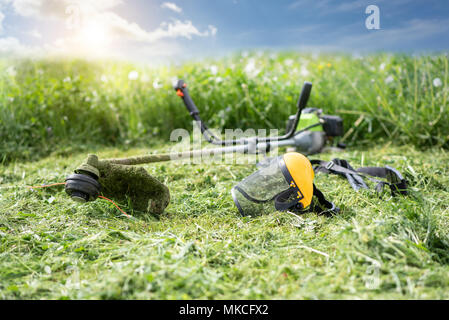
(94, 36)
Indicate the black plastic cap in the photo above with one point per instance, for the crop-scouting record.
(82, 188)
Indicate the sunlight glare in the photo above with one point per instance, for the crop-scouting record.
(94, 36)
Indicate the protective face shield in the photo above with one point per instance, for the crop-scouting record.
(285, 183)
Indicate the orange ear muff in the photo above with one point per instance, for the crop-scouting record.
(301, 172)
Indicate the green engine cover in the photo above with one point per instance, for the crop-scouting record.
(308, 119)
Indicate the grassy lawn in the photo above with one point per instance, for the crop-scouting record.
(200, 248)
(52, 113)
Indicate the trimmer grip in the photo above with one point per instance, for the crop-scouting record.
(181, 90)
(305, 94)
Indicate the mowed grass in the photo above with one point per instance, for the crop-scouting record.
(200, 248)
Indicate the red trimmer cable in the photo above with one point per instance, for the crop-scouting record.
(63, 183)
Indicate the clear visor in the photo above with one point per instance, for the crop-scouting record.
(255, 194)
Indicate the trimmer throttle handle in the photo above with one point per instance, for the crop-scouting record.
(305, 94)
(181, 90)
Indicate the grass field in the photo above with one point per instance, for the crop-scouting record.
(201, 248)
(53, 113)
(66, 106)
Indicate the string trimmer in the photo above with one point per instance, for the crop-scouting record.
(120, 179)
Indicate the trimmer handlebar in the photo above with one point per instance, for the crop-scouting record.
(182, 91)
(302, 103)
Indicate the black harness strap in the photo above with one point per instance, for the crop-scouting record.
(281, 204)
(395, 180)
(343, 168)
(324, 206)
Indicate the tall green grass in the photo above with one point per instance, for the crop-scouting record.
(60, 106)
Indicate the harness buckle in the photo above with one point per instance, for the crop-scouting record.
(329, 165)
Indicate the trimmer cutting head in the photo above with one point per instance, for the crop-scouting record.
(119, 182)
(83, 185)
(82, 188)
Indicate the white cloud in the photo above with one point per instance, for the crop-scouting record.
(57, 8)
(122, 28)
(178, 29)
(40, 8)
(35, 34)
(4, 3)
(171, 6)
(112, 23)
(11, 45)
(99, 31)
(213, 30)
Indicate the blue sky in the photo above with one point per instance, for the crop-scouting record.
(159, 30)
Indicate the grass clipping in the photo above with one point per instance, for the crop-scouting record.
(123, 182)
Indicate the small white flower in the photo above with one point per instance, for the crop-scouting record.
(289, 62)
(382, 66)
(156, 84)
(304, 72)
(104, 78)
(11, 71)
(389, 79)
(174, 81)
(250, 68)
(218, 79)
(251, 65)
(47, 269)
(437, 82)
(133, 75)
(67, 79)
(214, 70)
(51, 199)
